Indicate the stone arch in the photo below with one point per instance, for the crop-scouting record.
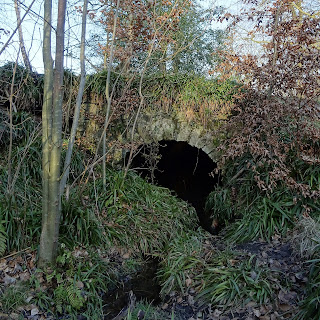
(153, 127)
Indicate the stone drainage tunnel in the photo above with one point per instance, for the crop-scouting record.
(181, 168)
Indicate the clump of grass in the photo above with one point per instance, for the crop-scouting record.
(20, 202)
(13, 297)
(308, 240)
(250, 212)
(310, 306)
(225, 281)
(185, 259)
(23, 126)
(27, 90)
(308, 236)
(80, 224)
(148, 310)
(139, 215)
(265, 217)
(220, 206)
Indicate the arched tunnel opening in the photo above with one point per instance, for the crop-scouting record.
(186, 170)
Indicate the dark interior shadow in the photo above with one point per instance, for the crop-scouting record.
(184, 169)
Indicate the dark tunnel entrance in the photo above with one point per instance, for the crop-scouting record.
(182, 168)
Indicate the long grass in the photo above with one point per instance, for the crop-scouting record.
(140, 215)
(227, 282)
(184, 260)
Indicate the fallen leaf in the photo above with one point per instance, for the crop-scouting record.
(257, 312)
(217, 313)
(285, 307)
(14, 316)
(34, 311)
(126, 255)
(190, 300)
(8, 280)
(24, 276)
(188, 282)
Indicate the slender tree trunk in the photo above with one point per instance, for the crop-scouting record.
(76, 115)
(15, 30)
(52, 132)
(140, 105)
(275, 47)
(106, 122)
(46, 253)
(21, 41)
(55, 156)
(9, 188)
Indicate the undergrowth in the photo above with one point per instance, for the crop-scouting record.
(249, 212)
(185, 259)
(141, 219)
(227, 282)
(75, 285)
(139, 215)
(307, 240)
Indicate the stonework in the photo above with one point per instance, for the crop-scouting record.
(153, 127)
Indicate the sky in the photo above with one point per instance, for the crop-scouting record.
(33, 25)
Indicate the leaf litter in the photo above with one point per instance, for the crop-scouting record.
(286, 273)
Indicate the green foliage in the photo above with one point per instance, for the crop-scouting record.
(3, 238)
(220, 205)
(264, 218)
(13, 297)
(27, 90)
(20, 205)
(75, 285)
(23, 127)
(307, 173)
(150, 312)
(96, 83)
(140, 215)
(79, 224)
(184, 260)
(260, 212)
(188, 89)
(196, 43)
(78, 161)
(310, 306)
(308, 238)
(225, 283)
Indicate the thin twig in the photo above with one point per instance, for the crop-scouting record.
(15, 253)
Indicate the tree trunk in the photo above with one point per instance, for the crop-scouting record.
(78, 102)
(15, 30)
(47, 235)
(52, 130)
(108, 96)
(21, 41)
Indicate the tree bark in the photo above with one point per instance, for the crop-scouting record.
(46, 253)
(52, 132)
